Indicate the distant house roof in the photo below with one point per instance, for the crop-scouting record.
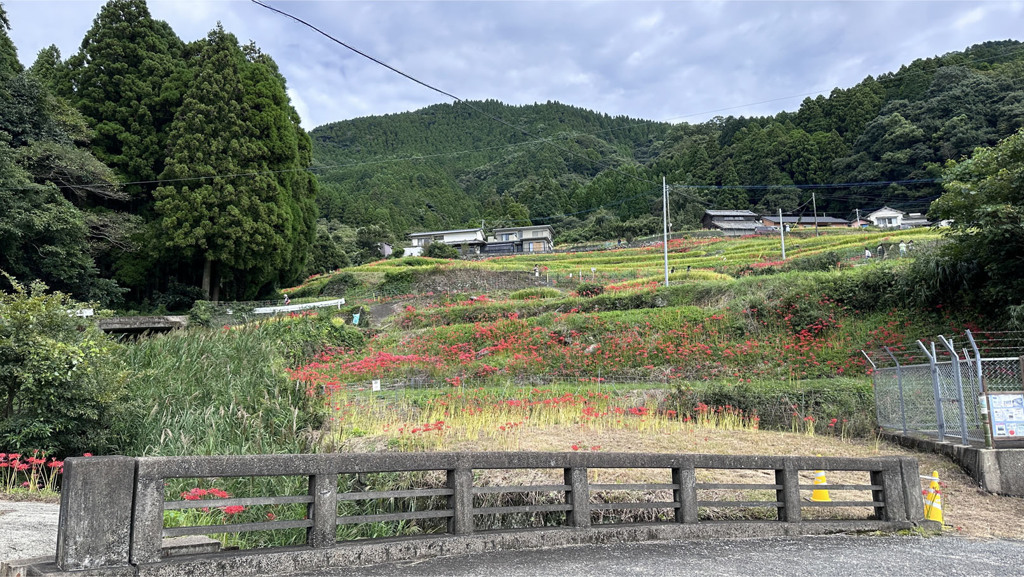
(736, 225)
(916, 219)
(730, 213)
(433, 232)
(805, 219)
(547, 226)
(884, 208)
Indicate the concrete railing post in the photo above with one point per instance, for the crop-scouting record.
(147, 520)
(460, 481)
(686, 493)
(789, 495)
(323, 511)
(94, 529)
(892, 494)
(578, 497)
(913, 502)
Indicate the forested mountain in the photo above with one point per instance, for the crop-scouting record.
(449, 165)
(883, 141)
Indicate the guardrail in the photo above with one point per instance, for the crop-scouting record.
(290, 308)
(112, 508)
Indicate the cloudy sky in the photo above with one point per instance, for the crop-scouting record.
(668, 61)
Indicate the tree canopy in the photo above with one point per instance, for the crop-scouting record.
(984, 199)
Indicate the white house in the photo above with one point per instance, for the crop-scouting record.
(470, 238)
(886, 217)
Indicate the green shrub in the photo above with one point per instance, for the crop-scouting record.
(824, 261)
(781, 405)
(61, 384)
(397, 282)
(589, 289)
(415, 261)
(535, 293)
(338, 284)
(441, 250)
(202, 313)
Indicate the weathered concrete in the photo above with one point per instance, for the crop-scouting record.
(999, 471)
(107, 495)
(95, 514)
(390, 550)
(190, 545)
(139, 325)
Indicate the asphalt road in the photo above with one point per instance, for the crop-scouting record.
(833, 556)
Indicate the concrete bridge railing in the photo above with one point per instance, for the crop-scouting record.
(112, 508)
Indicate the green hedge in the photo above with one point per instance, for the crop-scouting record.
(781, 405)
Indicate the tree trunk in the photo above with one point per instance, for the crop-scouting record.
(207, 270)
(12, 390)
(215, 282)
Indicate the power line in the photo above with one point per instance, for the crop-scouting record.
(903, 76)
(466, 103)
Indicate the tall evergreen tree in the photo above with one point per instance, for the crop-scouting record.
(9, 63)
(123, 79)
(50, 70)
(222, 205)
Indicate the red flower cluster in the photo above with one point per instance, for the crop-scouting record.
(199, 494)
(31, 472)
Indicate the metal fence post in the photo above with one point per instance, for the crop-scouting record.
(983, 418)
(955, 359)
(940, 423)
(874, 385)
(899, 386)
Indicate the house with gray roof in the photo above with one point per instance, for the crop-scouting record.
(730, 222)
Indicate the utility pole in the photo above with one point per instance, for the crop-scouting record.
(858, 218)
(782, 234)
(664, 215)
(668, 211)
(814, 203)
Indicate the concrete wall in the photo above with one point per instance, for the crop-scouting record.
(999, 471)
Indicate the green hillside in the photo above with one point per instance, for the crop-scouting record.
(448, 166)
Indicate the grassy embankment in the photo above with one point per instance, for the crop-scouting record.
(739, 344)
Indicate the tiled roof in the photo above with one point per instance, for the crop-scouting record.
(805, 219)
(730, 213)
(431, 232)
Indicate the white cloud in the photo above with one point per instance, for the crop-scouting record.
(655, 60)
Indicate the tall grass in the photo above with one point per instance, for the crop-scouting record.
(218, 392)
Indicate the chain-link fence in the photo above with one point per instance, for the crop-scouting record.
(940, 397)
